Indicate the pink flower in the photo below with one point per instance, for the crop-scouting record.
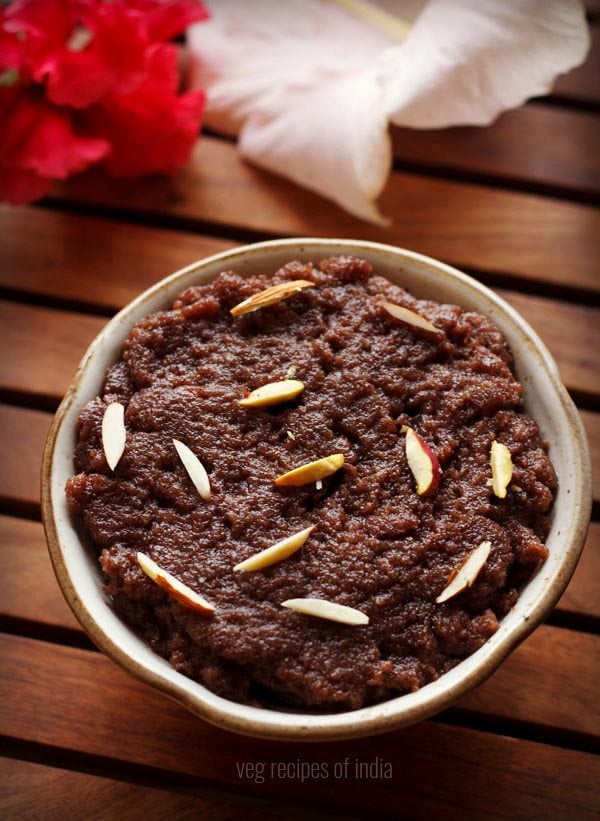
(84, 81)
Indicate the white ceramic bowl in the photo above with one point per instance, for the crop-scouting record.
(545, 398)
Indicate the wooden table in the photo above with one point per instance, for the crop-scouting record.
(513, 205)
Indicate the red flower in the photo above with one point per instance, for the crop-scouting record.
(88, 80)
(151, 130)
(38, 145)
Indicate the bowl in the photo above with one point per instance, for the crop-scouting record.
(545, 398)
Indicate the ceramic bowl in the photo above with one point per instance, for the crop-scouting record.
(545, 398)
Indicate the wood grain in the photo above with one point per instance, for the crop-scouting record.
(22, 433)
(582, 596)
(85, 697)
(35, 791)
(47, 344)
(582, 84)
(46, 347)
(591, 423)
(29, 589)
(514, 150)
(572, 334)
(564, 693)
(523, 236)
(94, 262)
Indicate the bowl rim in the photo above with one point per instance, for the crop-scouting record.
(379, 718)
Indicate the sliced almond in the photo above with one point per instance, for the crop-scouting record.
(466, 574)
(195, 469)
(502, 468)
(312, 471)
(113, 433)
(411, 318)
(327, 610)
(423, 463)
(180, 591)
(290, 435)
(273, 393)
(270, 296)
(277, 553)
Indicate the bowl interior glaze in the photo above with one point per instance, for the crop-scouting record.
(545, 398)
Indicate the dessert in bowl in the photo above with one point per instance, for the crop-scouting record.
(382, 486)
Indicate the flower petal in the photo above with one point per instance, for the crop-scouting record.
(310, 88)
(38, 141)
(115, 59)
(151, 129)
(342, 150)
(463, 63)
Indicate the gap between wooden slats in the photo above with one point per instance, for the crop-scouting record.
(536, 148)
(85, 697)
(32, 595)
(52, 258)
(33, 790)
(472, 226)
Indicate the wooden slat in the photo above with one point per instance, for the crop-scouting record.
(576, 350)
(525, 236)
(515, 150)
(30, 791)
(561, 695)
(85, 698)
(582, 596)
(29, 589)
(582, 84)
(591, 422)
(96, 262)
(22, 434)
(47, 344)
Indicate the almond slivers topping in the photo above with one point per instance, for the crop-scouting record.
(327, 610)
(178, 590)
(312, 471)
(195, 469)
(273, 393)
(502, 468)
(411, 318)
(277, 553)
(113, 433)
(466, 574)
(270, 296)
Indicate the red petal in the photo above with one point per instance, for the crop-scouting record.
(46, 25)
(40, 139)
(151, 129)
(115, 60)
(11, 50)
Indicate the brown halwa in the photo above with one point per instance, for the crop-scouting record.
(377, 546)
